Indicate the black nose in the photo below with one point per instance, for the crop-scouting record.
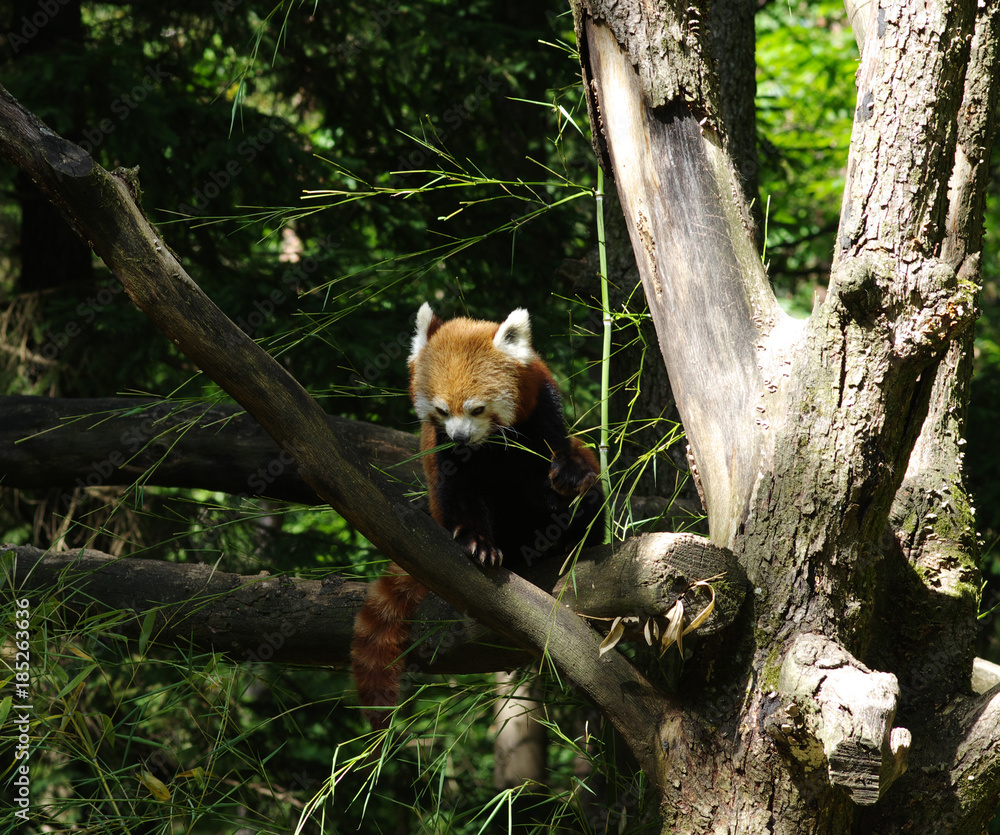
(461, 438)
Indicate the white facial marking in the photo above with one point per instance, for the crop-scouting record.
(422, 405)
(471, 426)
(504, 410)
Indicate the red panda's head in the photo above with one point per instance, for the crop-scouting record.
(465, 374)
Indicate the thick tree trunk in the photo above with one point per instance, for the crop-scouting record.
(802, 433)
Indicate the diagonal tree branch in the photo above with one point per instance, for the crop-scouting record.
(103, 209)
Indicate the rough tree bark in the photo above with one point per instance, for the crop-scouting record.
(806, 435)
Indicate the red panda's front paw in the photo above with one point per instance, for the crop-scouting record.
(479, 548)
(575, 472)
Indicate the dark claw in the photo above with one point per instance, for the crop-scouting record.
(479, 548)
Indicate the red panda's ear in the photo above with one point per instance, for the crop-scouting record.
(427, 322)
(513, 337)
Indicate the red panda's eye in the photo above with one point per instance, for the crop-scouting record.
(477, 411)
(442, 412)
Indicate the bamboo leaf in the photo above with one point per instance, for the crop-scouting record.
(675, 626)
(704, 614)
(156, 787)
(147, 630)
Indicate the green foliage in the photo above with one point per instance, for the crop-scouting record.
(125, 736)
(806, 59)
(984, 404)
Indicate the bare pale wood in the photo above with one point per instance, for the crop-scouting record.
(722, 335)
(837, 714)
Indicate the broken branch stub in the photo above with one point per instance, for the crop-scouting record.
(836, 710)
(645, 575)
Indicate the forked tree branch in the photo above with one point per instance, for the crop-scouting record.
(802, 432)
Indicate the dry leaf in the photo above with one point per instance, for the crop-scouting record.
(704, 613)
(613, 637)
(675, 626)
(674, 629)
(651, 631)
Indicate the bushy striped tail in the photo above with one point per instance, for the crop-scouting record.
(381, 635)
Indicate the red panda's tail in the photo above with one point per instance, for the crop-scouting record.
(381, 633)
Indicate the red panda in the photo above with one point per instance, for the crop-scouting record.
(503, 476)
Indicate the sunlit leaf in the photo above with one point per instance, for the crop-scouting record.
(704, 614)
(156, 787)
(675, 626)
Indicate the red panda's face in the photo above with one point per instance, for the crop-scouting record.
(470, 422)
(465, 374)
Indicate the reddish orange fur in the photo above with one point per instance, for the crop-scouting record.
(463, 363)
(529, 384)
(464, 356)
(381, 631)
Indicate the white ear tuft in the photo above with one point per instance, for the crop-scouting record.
(513, 337)
(424, 318)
